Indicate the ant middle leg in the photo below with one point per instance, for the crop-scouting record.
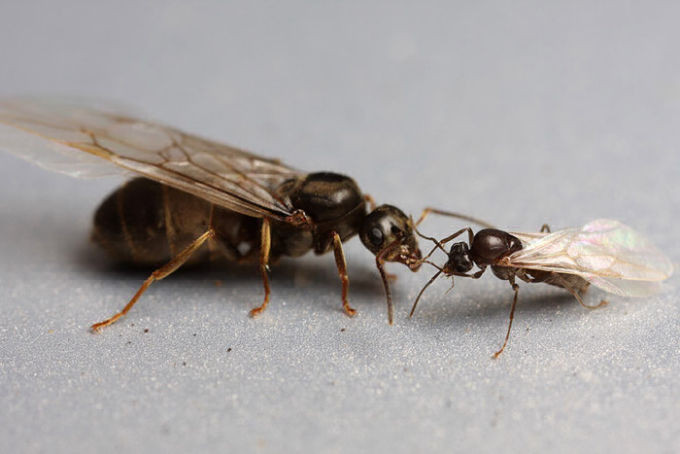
(342, 271)
(575, 293)
(515, 287)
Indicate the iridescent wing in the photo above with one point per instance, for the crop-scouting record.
(528, 237)
(606, 253)
(84, 141)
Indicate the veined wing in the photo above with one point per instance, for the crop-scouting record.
(623, 287)
(604, 252)
(82, 141)
(528, 237)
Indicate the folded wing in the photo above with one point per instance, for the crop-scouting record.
(83, 141)
(608, 254)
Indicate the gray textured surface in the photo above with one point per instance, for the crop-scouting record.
(517, 112)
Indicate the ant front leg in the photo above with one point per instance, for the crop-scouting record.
(476, 275)
(545, 228)
(265, 247)
(342, 271)
(391, 277)
(380, 264)
(432, 279)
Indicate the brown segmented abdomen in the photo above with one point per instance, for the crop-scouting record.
(146, 223)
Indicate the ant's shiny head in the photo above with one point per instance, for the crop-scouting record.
(388, 233)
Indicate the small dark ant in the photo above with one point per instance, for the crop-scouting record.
(604, 253)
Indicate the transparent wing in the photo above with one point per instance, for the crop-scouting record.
(604, 252)
(528, 237)
(623, 287)
(84, 141)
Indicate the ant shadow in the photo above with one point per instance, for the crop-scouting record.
(56, 235)
(287, 273)
(61, 238)
(495, 305)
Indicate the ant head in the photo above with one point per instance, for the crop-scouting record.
(388, 232)
(459, 258)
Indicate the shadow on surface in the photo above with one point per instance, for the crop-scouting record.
(309, 272)
(495, 305)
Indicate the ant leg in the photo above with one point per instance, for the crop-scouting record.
(391, 277)
(602, 303)
(370, 200)
(342, 271)
(157, 275)
(545, 228)
(380, 264)
(476, 275)
(515, 287)
(453, 284)
(576, 295)
(426, 212)
(265, 247)
(432, 279)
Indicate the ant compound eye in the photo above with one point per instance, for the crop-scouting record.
(375, 236)
(385, 226)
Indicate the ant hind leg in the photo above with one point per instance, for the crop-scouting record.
(576, 294)
(157, 275)
(602, 303)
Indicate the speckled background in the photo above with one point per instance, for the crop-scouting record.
(517, 112)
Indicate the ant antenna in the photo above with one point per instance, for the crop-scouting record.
(455, 215)
(437, 244)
